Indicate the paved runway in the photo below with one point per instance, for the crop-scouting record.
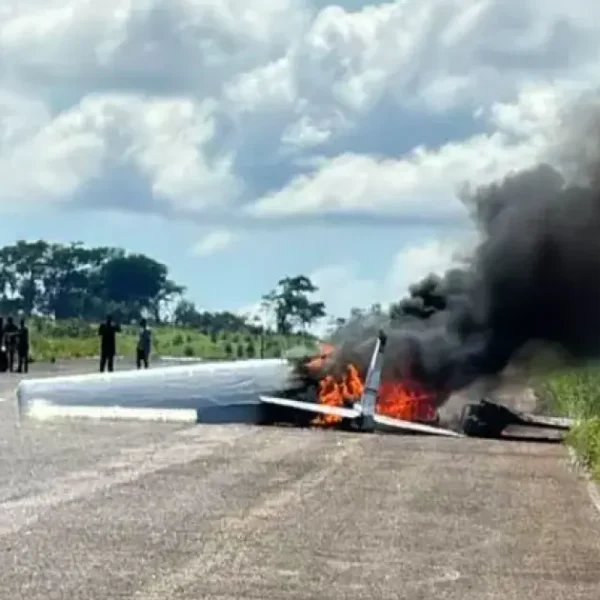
(105, 510)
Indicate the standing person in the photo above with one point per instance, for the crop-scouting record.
(11, 334)
(23, 348)
(144, 345)
(3, 354)
(108, 343)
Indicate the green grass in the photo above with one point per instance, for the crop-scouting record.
(576, 393)
(74, 339)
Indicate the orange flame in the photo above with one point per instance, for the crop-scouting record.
(397, 399)
(407, 401)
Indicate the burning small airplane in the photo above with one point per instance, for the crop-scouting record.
(406, 407)
(269, 392)
(336, 405)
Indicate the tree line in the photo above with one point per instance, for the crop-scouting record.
(73, 281)
(67, 281)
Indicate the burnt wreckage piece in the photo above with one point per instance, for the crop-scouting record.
(487, 419)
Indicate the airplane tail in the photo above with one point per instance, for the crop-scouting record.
(363, 412)
(368, 399)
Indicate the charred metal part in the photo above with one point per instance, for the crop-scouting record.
(488, 419)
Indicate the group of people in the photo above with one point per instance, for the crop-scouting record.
(14, 343)
(108, 344)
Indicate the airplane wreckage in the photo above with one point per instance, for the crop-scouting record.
(271, 391)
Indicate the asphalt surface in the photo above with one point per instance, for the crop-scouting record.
(104, 510)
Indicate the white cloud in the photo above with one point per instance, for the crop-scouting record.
(173, 42)
(20, 117)
(165, 140)
(213, 242)
(198, 99)
(436, 54)
(47, 160)
(424, 183)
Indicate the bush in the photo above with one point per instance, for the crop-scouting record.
(576, 393)
(584, 438)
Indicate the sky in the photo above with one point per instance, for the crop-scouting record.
(243, 141)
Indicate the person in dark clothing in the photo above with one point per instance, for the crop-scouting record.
(108, 343)
(3, 354)
(11, 334)
(23, 348)
(144, 345)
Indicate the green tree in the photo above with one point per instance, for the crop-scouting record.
(291, 304)
(22, 268)
(73, 281)
(138, 283)
(185, 314)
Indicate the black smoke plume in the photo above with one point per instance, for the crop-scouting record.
(534, 277)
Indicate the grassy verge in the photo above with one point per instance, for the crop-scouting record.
(67, 340)
(576, 393)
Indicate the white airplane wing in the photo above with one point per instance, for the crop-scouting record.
(323, 409)
(353, 413)
(401, 425)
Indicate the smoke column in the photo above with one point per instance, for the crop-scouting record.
(535, 276)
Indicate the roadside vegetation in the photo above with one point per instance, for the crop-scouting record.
(77, 339)
(575, 393)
